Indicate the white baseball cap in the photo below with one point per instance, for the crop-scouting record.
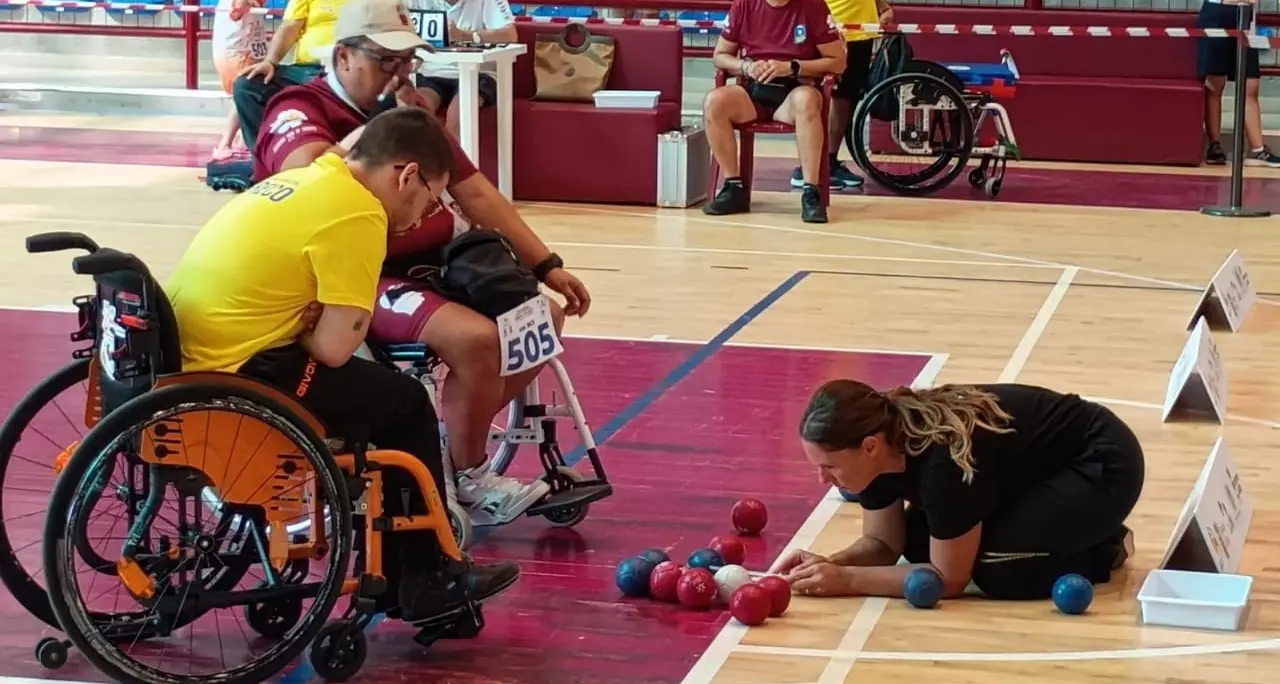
(385, 22)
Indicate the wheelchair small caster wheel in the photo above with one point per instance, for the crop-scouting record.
(51, 653)
(977, 178)
(338, 651)
(566, 516)
(460, 522)
(992, 187)
(273, 619)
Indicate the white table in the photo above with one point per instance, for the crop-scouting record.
(468, 64)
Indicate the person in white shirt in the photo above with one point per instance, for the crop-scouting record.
(239, 40)
(470, 21)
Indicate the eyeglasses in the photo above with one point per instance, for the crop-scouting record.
(434, 204)
(392, 64)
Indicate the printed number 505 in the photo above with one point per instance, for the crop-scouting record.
(530, 348)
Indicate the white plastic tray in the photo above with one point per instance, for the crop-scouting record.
(1201, 600)
(627, 99)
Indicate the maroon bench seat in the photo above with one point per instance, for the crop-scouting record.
(1084, 98)
(570, 151)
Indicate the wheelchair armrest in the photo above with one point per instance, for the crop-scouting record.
(60, 241)
(106, 261)
(411, 351)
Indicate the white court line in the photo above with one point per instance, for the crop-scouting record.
(1046, 656)
(730, 636)
(903, 243)
(1029, 340)
(1263, 422)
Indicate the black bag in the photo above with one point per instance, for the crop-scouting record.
(891, 58)
(478, 269)
(773, 93)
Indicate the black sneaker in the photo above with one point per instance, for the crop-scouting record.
(811, 209)
(841, 176)
(1126, 548)
(1215, 156)
(732, 199)
(426, 596)
(1262, 157)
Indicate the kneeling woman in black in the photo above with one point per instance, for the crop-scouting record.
(1010, 486)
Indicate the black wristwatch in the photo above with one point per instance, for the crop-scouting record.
(795, 68)
(546, 266)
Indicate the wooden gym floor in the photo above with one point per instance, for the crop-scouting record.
(704, 340)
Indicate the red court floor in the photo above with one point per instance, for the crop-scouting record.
(679, 459)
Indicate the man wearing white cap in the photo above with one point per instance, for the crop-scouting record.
(373, 59)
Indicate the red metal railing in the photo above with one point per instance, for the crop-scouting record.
(191, 32)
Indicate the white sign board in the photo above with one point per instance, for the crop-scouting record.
(1214, 524)
(432, 26)
(1228, 298)
(1199, 378)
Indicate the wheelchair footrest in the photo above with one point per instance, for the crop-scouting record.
(581, 494)
(466, 622)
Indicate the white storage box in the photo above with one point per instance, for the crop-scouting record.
(1200, 600)
(684, 160)
(626, 99)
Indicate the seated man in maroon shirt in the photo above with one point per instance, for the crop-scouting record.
(370, 62)
(782, 49)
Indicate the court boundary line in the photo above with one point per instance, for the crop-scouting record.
(729, 639)
(689, 217)
(1143, 653)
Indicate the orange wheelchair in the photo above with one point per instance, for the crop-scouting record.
(176, 507)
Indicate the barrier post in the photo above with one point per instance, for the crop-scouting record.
(191, 40)
(1244, 13)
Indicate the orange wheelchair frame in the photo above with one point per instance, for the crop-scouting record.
(275, 478)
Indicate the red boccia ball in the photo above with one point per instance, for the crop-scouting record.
(730, 548)
(749, 516)
(750, 605)
(779, 593)
(697, 588)
(664, 580)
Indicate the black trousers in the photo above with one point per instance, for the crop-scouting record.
(251, 96)
(1070, 522)
(365, 400)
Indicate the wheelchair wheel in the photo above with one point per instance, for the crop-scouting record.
(503, 449)
(233, 440)
(27, 474)
(931, 127)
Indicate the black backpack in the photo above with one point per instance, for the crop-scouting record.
(892, 57)
(478, 269)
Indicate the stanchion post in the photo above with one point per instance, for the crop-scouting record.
(1244, 14)
(191, 40)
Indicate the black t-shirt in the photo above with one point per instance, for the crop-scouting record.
(1050, 432)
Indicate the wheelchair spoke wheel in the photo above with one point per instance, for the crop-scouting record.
(201, 591)
(42, 430)
(913, 133)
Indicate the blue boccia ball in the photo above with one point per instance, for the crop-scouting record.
(922, 588)
(655, 556)
(848, 495)
(706, 558)
(1072, 594)
(633, 576)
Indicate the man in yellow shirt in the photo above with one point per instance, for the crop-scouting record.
(318, 234)
(853, 82)
(307, 26)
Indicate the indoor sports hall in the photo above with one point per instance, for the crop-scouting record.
(706, 336)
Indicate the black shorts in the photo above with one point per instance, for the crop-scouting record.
(1217, 56)
(857, 69)
(447, 88)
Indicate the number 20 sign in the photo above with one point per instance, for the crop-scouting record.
(528, 336)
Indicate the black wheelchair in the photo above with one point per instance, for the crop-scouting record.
(263, 497)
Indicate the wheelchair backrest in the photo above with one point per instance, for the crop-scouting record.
(136, 337)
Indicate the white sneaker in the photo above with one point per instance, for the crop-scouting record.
(492, 498)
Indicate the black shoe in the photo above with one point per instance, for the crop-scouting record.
(424, 598)
(1126, 548)
(811, 209)
(1214, 155)
(732, 199)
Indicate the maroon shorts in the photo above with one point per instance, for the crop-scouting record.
(401, 320)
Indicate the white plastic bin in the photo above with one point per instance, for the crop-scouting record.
(1200, 600)
(626, 99)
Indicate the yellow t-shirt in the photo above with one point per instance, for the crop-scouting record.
(319, 18)
(303, 235)
(854, 12)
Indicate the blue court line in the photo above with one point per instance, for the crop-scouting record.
(303, 672)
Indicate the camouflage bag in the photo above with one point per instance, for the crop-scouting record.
(567, 73)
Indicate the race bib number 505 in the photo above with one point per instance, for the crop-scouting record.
(528, 336)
